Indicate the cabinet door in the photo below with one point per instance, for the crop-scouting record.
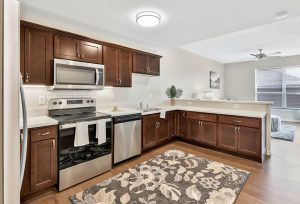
(90, 52)
(154, 65)
(25, 190)
(227, 137)
(163, 130)
(66, 48)
(125, 68)
(193, 129)
(181, 124)
(43, 164)
(149, 131)
(37, 56)
(110, 59)
(249, 141)
(208, 133)
(171, 117)
(140, 63)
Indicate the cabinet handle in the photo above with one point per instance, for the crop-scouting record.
(158, 124)
(81, 56)
(201, 123)
(235, 129)
(45, 133)
(120, 81)
(53, 144)
(183, 114)
(239, 129)
(22, 138)
(26, 77)
(237, 121)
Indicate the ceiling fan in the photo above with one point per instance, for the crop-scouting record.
(261, 55)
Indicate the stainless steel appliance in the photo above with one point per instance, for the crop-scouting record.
(77, 75)
(77, 164)
(127, 137)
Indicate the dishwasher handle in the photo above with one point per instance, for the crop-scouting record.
(127, 118)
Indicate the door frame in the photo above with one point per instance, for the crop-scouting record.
(1, 103)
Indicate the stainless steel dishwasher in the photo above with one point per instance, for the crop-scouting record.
(127, 137)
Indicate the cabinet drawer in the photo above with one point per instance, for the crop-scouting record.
(202, 116)
(241, 121)
(43, 133)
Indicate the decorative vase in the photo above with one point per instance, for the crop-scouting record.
(172, 101)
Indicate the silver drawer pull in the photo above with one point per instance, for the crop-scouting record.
(237, 121)
(45, 133)
(53, 144)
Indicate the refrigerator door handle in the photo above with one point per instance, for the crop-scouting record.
(25, 134)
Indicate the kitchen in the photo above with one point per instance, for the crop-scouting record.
(99, 104)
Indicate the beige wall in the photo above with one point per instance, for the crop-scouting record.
(1, 102)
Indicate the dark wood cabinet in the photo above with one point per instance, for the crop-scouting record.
(208, 133)
(146, 64)
(36, 48)
(41, 163)
(181, 124)
(110, 59)
(156, 130)
(154, 65)
(227, 137)
(249, 141)
(74, 49)
(118, 67)
(201, 129)
(149, 131)
(172, 118)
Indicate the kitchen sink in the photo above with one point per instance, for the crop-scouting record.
(151, 109)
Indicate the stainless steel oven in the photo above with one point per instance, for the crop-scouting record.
(70, 74)
(77, 163)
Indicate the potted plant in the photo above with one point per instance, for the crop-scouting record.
(173, 93)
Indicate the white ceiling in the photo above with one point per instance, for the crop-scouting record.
(242, 26)
(182, 21)
(283, 36)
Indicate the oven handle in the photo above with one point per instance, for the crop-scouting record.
(72, 125)
(97, 77)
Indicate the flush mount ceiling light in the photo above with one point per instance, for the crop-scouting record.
(148, 18)
(281, 15)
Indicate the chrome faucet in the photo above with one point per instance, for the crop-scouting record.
(141, 105)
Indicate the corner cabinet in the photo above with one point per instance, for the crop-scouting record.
(74, 49)
(118, 66)
(36, 55)
(146, 64)
(41, 164)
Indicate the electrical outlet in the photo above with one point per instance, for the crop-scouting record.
(42, 100)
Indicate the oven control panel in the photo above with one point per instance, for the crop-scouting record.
(66, 103)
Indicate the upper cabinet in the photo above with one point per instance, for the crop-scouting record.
(146, 64)
(118, 66)
(74, 49)
(36, 56)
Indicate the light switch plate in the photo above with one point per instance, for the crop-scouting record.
(42, 100)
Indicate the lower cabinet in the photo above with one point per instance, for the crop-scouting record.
(181, 124)
(242, 135)
(227, 137)
(156, 130)
(41, 163)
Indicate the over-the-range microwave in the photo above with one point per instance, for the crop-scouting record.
(70, 74)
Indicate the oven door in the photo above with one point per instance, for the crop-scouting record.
(77, 75)
(70, 156)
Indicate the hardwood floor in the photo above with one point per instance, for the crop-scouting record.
(277, 180)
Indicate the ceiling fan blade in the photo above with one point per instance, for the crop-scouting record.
(254, 55)
(247, 59)
(275, 53)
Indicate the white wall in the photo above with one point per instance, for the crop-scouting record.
(181, 68)
(240, 80)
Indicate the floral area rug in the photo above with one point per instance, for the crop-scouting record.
(172, 177)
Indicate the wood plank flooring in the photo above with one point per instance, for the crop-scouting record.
(276, 181)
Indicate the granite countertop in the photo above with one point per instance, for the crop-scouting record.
(38, 121)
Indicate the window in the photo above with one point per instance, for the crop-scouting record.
(280, 85)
